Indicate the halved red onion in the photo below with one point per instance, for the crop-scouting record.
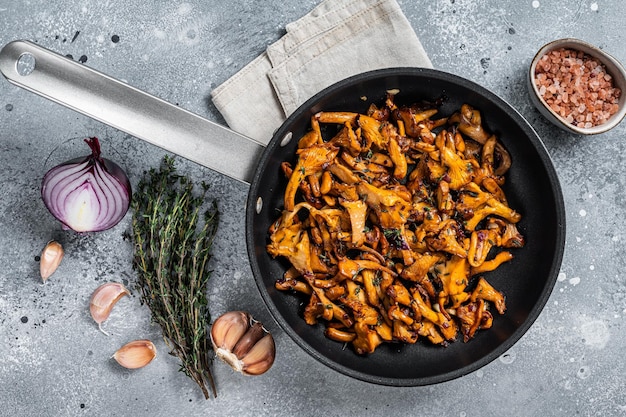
(87, 194)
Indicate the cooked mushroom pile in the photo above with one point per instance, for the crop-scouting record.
(390, 219)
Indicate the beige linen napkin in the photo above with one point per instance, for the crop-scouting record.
(337, 39)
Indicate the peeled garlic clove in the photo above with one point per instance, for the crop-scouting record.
(243, 343)
(50, 259)
(135, 354)
(103, 299)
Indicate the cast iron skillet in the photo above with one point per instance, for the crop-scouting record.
(532, 189)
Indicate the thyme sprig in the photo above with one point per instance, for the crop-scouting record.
(172, 238)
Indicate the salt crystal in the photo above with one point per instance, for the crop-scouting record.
(583, 91)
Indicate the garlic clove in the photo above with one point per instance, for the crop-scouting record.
(248, 340)
(135, 354)
(50, 259)
(103, 299)
(229, 328)
(243, 343)
(261, 356)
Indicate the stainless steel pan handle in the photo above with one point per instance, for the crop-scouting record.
(128, 109)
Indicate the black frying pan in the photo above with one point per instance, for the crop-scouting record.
(532, 189)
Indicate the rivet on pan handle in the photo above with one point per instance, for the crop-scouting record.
(128, 109)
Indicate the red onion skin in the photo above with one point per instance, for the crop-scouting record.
(101, 179)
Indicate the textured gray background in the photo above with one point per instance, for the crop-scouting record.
(53, 361)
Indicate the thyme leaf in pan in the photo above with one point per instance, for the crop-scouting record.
(172, 237)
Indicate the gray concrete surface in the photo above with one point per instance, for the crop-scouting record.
(53, 361)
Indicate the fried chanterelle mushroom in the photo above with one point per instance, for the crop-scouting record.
(389, 225)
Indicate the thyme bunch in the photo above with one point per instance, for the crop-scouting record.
(172, 238)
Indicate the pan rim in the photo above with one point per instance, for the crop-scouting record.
(546, 291)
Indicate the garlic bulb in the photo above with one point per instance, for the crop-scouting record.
(135, 354)
(103, 299)
(243, 343)
(50, 259)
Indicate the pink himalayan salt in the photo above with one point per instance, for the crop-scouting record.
(577, 87)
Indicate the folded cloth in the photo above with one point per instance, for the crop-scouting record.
(337, 39)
